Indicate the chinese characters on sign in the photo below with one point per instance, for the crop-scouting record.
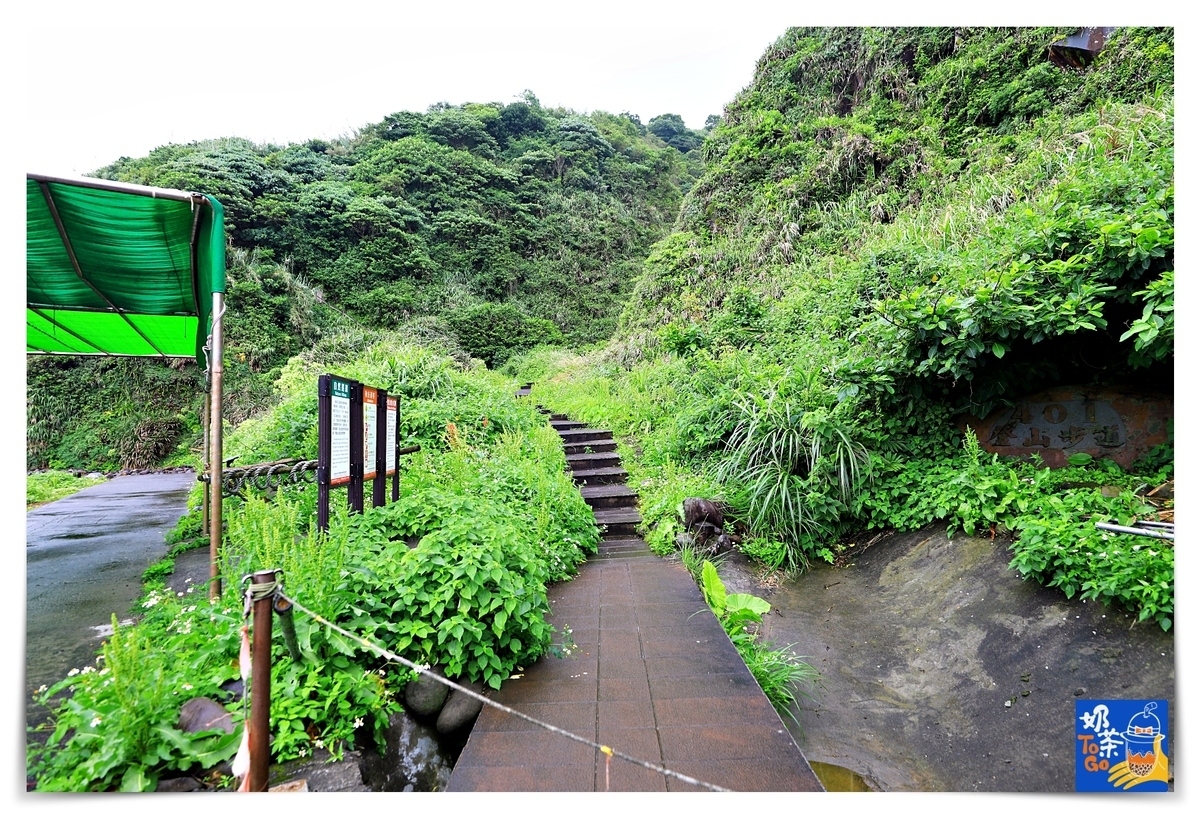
(370, 422)
(392, 411)
(339, 451)
(1069, 425)
(1121, 426)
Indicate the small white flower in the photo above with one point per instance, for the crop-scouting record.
(318, 743)
(358, 723)
(73, 671)
(41, 689)
(187, 686)
(96, 722)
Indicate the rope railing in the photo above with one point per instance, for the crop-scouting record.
(259, 591)
(608, 752)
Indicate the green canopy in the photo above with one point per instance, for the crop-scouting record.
(117, 269)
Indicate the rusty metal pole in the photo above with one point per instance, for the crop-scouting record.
(205, 419)
(260, 686)
(215, 453)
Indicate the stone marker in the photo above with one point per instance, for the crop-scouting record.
(1105, 423)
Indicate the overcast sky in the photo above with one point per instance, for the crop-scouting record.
(101, 91)
(112, 79)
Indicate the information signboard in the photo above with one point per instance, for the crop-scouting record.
(393, 411)
(370, 412)
(339, 432)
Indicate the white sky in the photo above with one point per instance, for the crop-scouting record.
(85, 83)
(98, 94)
(103, 80)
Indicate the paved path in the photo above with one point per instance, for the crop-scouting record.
(654, 676)
(84, 558)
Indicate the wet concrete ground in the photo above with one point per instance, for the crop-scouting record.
(944, 671)
(84, 559)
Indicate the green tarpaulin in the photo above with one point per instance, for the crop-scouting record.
(116, 269)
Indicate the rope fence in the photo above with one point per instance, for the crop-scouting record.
(259, 591)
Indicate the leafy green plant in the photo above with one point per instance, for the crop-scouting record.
(116, 727)
(783, 676)
(791, 467)
(768, 552)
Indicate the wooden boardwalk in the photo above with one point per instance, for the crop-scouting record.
(652, 675)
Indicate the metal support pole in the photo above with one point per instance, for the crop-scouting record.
(205, 420)
(216, 461)
(260, 687)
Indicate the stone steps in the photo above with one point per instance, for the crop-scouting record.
(596, 468)
(591, 446)
(585, 435)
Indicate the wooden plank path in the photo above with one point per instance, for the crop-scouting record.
(653, 676)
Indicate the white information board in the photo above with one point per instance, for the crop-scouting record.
(339, 448)
(370, 424)
(392, 414)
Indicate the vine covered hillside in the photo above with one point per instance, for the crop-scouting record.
(897, 230)
(929, 202)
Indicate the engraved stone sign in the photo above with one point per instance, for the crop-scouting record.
(1122, 426)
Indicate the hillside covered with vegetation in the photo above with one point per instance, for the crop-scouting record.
(888, 233)
(894, 230)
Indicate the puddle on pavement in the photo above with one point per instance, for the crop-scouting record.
(839, 779)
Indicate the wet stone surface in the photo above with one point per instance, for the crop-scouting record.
(944, 671)
(84, 559)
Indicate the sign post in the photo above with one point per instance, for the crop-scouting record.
(393, 441)
(354, 490)
(333, 440)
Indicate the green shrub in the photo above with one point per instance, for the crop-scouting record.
(783, 676)
(116, 727)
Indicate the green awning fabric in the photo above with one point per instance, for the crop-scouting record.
(116, 269)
